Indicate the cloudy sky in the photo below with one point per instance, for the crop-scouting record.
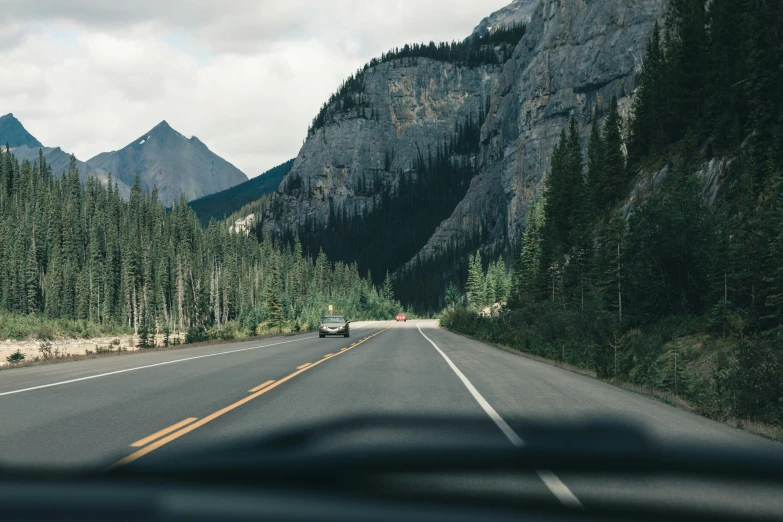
(245, 76)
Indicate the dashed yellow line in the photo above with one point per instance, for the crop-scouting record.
(190, 425)
(164, 431)
(305, 365)
(264, 385)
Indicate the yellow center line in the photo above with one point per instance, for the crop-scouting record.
(264, 385)
(305, 365)
(163, 432)
(209, 418)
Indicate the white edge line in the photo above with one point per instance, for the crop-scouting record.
(126, 370)
(555, 485)
(505, 428)
(148, 366)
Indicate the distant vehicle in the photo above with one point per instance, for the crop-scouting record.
(334, 325)
(402, 317)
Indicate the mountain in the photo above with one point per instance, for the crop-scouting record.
(574, 58)
(223, 204)
(176, 164)
(396, 175)
(59, 161)
(26, 147)
(518, 12)
(13, 133)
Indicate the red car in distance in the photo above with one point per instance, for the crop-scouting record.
(401, 317)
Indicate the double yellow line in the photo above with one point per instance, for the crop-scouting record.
(184, 427)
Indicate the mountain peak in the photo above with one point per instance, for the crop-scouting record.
(177, 165)
(164, 130)
(517, 12)
(13, 132)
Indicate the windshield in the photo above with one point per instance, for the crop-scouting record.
(333, 319)
(552, 223)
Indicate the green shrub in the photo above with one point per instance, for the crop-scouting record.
(15, 357)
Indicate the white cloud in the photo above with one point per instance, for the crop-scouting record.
(246, 77)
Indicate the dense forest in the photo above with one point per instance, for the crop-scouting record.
(674, 293)
(490, 49)
(225, 203)
(78, 254)
(403, 215)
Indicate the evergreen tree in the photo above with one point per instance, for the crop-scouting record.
(614, 179)
(475, 285)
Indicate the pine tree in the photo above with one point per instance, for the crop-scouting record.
(614, 178)
(774, 259)
(388, 286)
(31, 280)
(595, 169)
(475, 284)
(648, 120)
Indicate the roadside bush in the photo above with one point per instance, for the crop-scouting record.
(15, 357)
(196, 334)
(756, 379)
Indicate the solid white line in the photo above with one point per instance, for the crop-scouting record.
(149, 366)
(555, 485)
(32, 388)
(505, 428)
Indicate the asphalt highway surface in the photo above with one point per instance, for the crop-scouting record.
(116, 411)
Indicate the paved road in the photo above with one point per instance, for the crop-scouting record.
(101, 411)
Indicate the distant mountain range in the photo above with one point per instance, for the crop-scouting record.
(162, 156)
(223, 204)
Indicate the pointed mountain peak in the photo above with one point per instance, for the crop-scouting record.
(163, 130)
(13, 132)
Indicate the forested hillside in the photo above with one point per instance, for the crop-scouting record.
(78, 252)
(675, 293)
(223, 204)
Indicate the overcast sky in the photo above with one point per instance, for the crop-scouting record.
(244, 76)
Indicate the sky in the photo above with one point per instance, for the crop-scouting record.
(245, 76)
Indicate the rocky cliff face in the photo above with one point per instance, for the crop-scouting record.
(575, 56)
(413, 105)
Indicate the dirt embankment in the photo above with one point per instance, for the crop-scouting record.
(61, 348)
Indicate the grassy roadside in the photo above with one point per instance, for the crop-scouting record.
(766, 430)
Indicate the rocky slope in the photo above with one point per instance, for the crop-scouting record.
(416, 104)
(575, 56)
(176, 164)
(517, 12)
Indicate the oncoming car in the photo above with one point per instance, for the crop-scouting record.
(334, 325)
(402, 317)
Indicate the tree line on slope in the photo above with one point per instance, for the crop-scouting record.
(78, 252)
(226, 203)
(676, 295)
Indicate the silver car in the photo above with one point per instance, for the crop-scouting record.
(334, 325)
